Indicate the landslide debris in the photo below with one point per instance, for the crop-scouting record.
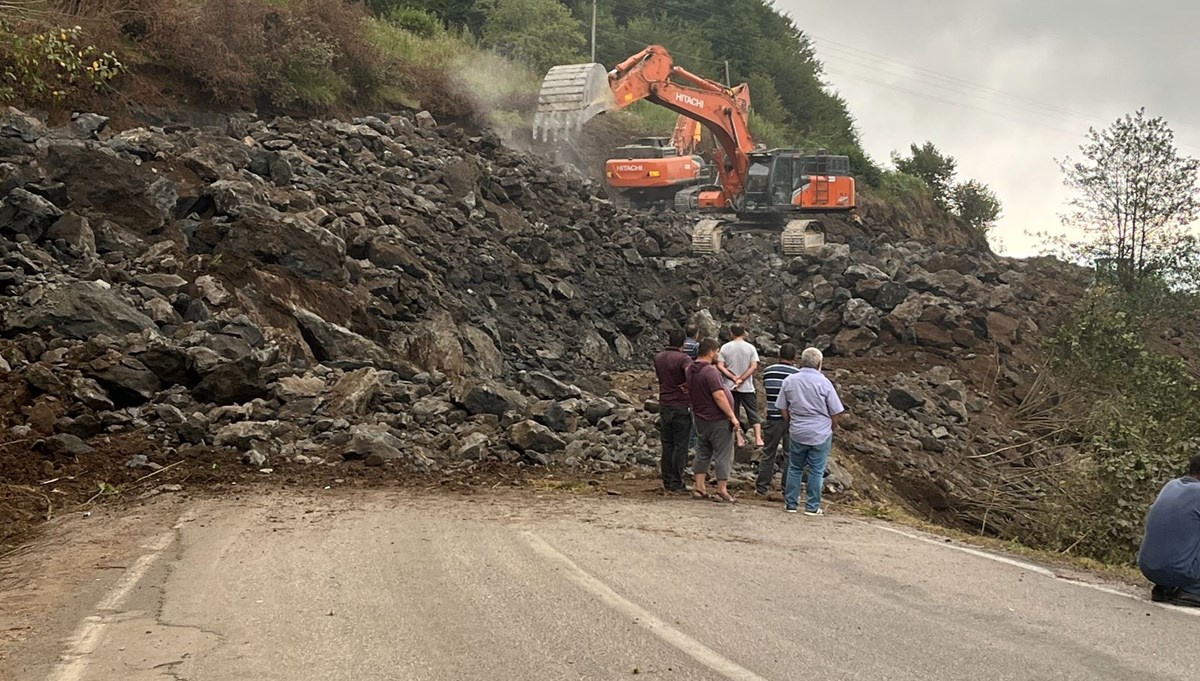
(410, 296)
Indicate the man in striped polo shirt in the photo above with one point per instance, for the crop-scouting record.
(775, 432)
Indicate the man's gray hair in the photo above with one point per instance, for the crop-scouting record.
(811, 358)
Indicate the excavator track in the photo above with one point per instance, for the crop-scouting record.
(706, 237)
(802, 236)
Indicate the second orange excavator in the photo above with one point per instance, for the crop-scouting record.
(778, 189)
(659, 171)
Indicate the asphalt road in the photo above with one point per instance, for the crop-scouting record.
(383, 586)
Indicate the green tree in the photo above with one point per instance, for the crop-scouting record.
(975, 204)
(540, 33)
(1134, 198)
(932, 166)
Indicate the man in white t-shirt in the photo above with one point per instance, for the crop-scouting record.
(737, 362)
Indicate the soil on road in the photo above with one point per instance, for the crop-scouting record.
(378, 585)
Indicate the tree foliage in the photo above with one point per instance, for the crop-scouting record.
(932, 166)
(540, 33)
(975, 204)
(1134, 197)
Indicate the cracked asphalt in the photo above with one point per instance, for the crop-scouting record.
(555, 586)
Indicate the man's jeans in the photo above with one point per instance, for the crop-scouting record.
(775, 433)
(675, 429)
(814, 458)
(1173, 580)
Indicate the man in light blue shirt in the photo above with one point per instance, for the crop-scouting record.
(810, 405)
(1170, 553)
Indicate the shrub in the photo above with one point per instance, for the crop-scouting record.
(1132, 413)
(49, 66)
(413, 20)
(310, 53)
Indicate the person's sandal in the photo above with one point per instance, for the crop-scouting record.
(697, 494)
(725, 498)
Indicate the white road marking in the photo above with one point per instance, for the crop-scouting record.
(87, 637)
(1195, 612)
(670, 635)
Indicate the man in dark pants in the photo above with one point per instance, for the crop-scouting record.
(674, 411)
(775, 430)
(1170, 554)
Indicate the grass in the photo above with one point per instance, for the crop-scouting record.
(895, 514)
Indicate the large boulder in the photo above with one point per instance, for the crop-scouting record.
(334, 343)
(24, 212)
(81, 310)
(128, 381)
(531, 436)
(491, 398)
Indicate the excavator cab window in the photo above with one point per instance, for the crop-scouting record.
(758, 181)
(781, 182)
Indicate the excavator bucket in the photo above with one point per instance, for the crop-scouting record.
(571, 95)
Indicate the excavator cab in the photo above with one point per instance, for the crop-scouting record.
(782, 181)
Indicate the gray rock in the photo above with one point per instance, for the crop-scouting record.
(331, 342)
(89, 392)
(597, 409)
(528, 436)
(76, 231)
(473, 447)
(890, 295)
(904, 399)
(212, 291)
(23, 212)
(232, 383)
(87, 126)
(492, 398)
(128, 381)
(170, 415)
(67, 445)
(291, 388)
(166, 283)
(355, 392)
(161, 311)
(548, 387)
(426, 120)
(81, 310)
(16, 123)
(550, 414)
(860, 313)
(241, 435)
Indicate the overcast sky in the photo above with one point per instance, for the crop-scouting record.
(1008, 86)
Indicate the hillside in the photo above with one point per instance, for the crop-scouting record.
(295, 294)
(308, 238)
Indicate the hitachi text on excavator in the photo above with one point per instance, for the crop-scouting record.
(782, 190)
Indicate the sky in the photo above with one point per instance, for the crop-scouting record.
(1007, 87)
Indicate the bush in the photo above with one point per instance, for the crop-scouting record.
(310, 54)
(50, 66)
(413, 20)
(1131, 413)
(897, 185)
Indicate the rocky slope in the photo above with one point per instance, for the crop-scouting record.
(398, 292)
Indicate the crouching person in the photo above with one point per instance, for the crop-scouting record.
(1170, 553)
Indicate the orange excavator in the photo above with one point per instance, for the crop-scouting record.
(777, 189)
(653, 171)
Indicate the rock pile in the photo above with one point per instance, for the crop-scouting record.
(394, 291)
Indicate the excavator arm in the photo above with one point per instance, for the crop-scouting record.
(725, 111)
